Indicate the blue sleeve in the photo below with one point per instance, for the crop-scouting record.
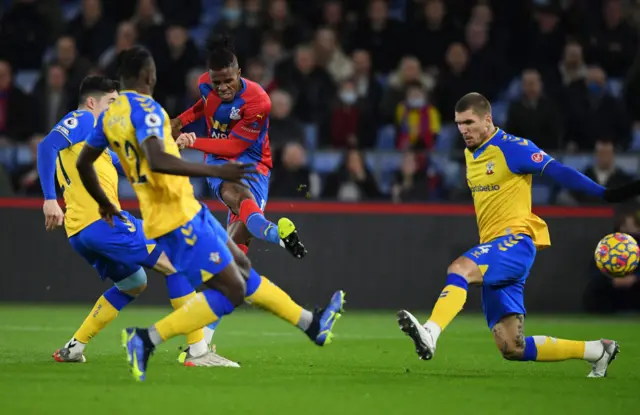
(97, 139)
(148, 119)
(47, 153)
(72, 129)
(115, 160)
(524, 157)
(573, 179)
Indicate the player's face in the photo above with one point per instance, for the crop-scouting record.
(225, 83)
(473, 127)
(106, 100)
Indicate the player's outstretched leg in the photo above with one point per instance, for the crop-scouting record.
(225, 292)
(198, 352)
(283, 234)
(317, 325)
(103, 312)
(452, 298)
(205, 308)
(509, 336)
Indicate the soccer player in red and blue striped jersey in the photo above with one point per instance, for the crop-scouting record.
(237, 116)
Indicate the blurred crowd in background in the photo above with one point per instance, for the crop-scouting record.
(362, 90)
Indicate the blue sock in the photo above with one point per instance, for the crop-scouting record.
(117, 298)
(257, 224)
(530, 350)
(178, 287)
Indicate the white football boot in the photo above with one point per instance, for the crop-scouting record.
(67, 354)
(421, 336)
(610, 349)
(209, 359)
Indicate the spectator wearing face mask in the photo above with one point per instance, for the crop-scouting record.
(417, 121)
(245, 39)
(592, 113)
(345, 117)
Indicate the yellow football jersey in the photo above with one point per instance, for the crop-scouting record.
(166, 202)
(81, 210)
(499, 174)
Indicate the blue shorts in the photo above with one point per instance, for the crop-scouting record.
(505, 263)
(116, 252)
(259, 189)
(198, 249)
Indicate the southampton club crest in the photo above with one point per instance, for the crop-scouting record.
(490, 167)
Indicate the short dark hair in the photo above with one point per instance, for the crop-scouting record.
(606, 140)
(475, 102)
(132, 61)
(96, 85)
(221, 52)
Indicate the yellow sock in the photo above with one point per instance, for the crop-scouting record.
(448, 306)
(554, 350)
(271, 298)
(103, 313)
(197, 335)
(187, 319)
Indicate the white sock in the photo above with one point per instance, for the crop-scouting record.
(208, 334)
(198, 349)
(75, 346)
(593, 350)
(305, 320)
(281, 243)
(434, 329)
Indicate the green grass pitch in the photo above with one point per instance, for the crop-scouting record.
(370, 368)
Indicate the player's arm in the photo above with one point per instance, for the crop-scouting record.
(115, 160)
(46, 163)
(48, 150)
(150, 135)
(92, 150)
(524, 157)
(241, 137)
(165, 163)
(70, 131)
(192, 114)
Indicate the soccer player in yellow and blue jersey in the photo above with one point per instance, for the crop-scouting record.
(500, 167)
(118, 253)
(139, 131)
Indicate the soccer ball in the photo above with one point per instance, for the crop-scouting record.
(617, 255)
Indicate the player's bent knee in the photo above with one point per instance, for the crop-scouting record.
(134, 284)
(164, 265)
(135, 291)
(467, 269)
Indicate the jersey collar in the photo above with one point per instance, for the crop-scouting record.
(478, 151)
(134, 92)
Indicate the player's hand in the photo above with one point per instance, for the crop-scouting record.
(622, 193)
(185, 140)
(235, 172)
(53, 215)
(176, 126)
(108, 212)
